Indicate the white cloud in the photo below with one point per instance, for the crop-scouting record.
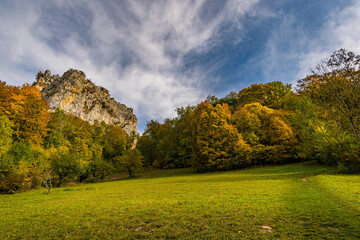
(292, 51)
(135, 49)
(340, 31)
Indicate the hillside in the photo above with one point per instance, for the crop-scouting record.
(296, 201)
(75, 94)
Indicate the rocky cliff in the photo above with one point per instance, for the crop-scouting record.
(75, 94)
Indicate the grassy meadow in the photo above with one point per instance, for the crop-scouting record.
(296, 201)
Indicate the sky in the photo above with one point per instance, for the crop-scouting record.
(157, 55)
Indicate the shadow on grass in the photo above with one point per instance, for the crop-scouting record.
(313, 212)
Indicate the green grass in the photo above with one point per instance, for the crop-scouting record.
(178, 204)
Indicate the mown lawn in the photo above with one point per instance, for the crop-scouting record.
(259, 203)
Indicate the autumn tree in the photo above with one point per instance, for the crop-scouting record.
(267, 131)
(269, 94)
(27, 110)
(23, 120)
(217, 144)
(334, 86)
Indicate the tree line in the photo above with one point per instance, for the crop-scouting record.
(267, 124)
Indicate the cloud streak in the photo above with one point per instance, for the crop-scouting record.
(136, 49)
(292, 50)
(157, 55)
(339, 31)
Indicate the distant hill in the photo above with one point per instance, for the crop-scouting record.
(77, 95)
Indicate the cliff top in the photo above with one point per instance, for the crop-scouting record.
(75, 94)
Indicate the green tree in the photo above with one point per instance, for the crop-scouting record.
(334, 87)
(114, 142)
(56, 129)
(131, 160)
(168, 145)
(148, 144)
(16, 168)
(67, 167)
(5, 134)
(98, 169)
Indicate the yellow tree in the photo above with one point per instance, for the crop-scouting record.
(216, 143)
(269, 94)
(267, 131)
(34, 117)
(26, 109)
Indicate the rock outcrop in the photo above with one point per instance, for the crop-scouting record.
(75, 94)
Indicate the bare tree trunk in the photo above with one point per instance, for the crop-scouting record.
(47, 182)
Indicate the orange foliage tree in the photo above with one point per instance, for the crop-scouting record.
(27, 110)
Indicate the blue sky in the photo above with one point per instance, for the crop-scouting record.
(155, 56)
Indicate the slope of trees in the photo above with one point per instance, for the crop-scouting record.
(36, 144)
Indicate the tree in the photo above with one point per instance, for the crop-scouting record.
(217, 144)
(16, 168)
(56, 129)
(277, 92)
(168, 145)
(67, 167)
(131, 161)
(114, 142)
(267, 131)
(5, 134)
(148, 143)
(334, 87)
(98, 169)
(147, 146)
(27, 110)
(46, 179)
(269, 94)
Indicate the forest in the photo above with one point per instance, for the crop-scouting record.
(41, 147)
(267, 124)
(264, 124)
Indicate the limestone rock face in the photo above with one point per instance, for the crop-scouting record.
(75, 94)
